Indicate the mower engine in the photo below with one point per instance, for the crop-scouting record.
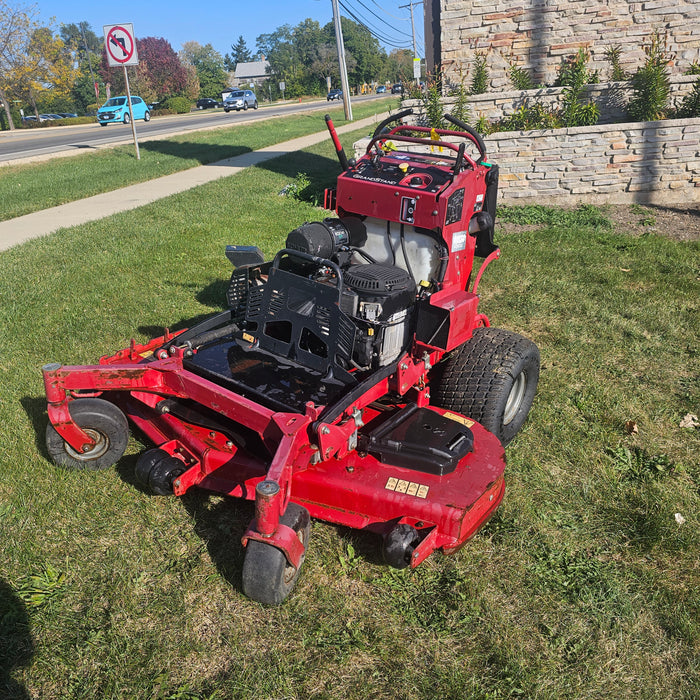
(379, 298)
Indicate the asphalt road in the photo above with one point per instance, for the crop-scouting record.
(37, 143)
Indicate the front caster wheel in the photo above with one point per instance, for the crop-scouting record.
(157, 470)
(267, 575)
(104, 423)
(398, 545)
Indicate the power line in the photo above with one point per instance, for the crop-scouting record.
(356, 15)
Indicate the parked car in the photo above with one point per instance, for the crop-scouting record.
(116, 109)
(207, 102)
(50, 117)
(334, 95)
(67, 115)
(240, 99)
(380, 89)
(397, 89)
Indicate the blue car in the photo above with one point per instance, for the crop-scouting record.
(116, 109)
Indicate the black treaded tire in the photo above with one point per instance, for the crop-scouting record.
(267, 575)
(147, 116)
(157, 470)
(104, 422)
(127, 118)
(491, 378)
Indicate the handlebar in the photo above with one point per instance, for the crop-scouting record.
(388, 120)
(472, 132)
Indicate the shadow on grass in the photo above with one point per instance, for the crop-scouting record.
(220, 523)
(16, 643)
(320, 170)
(35, 408)
(203, 152)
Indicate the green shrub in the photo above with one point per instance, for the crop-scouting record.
(651, 85)
(612, 55)
(574, 72)
(574, 76)
(460, 109)
(690, 106)
(520, 77)
(176, 105)
(480, 77)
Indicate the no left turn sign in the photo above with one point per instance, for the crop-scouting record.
(120, 45)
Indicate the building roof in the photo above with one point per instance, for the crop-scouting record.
(252, 69)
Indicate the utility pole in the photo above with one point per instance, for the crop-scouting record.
(413, 32)
(341, 60)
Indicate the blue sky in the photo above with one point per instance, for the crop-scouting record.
(220, 22)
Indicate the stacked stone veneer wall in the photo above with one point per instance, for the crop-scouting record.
(540, 34)
(647, 162)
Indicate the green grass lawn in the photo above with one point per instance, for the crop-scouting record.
(584, 585)
(35, 186)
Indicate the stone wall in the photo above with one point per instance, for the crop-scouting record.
(540, 34)
(647, 162)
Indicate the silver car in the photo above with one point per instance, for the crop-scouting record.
(240, 99)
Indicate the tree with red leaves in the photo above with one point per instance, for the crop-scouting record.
(159, 74)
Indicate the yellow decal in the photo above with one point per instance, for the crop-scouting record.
(411, 488)
(460, 419)
(248, 337)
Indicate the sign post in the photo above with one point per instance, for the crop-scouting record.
(120, 45)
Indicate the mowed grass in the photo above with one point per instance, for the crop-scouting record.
(584, 585)
(34, 186)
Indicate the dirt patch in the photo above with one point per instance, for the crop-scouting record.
(679, 222)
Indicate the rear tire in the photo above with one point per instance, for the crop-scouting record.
(147, 117)
(102, 421)
(491, 378)
(267, 575)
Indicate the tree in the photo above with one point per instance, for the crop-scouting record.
(80, 40)
(239, 54)
(363, 54)
(85, 49)
(209, 65)
(400, 65)
(292, 52)
(16, 27)
(43, 68)
(160, 72)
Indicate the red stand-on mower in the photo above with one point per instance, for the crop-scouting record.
(351, 378)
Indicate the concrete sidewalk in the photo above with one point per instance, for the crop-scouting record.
(47, 221)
